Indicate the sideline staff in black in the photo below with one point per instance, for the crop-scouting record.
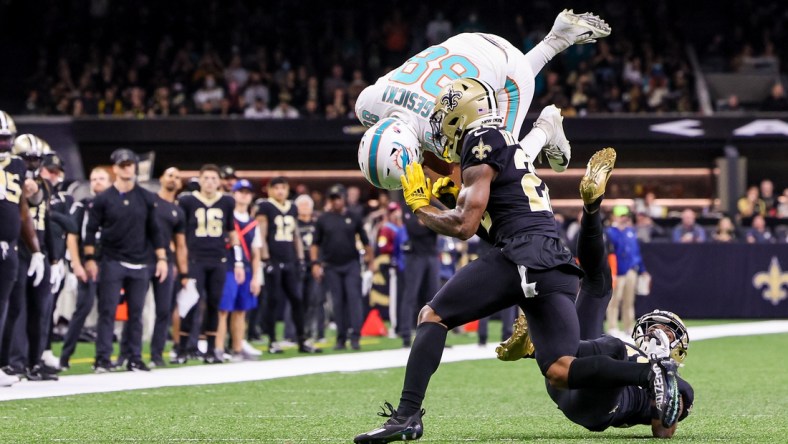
(334, 253)
(126, 216)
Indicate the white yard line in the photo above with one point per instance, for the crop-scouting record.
(280, 368)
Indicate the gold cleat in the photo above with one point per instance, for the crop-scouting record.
(598, 171)
(519, 345)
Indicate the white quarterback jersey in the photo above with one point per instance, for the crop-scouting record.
(409, 91)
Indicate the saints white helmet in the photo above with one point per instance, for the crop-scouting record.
(7, 134)
(667, 321)
(385, 150)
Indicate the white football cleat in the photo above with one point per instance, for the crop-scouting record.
(557, 148)
(7, 380)
(576, 29)
(246, 347)
(50, 360)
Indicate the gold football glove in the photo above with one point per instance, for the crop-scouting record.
(415, 187)
(446, 191)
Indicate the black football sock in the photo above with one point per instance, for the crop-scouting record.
(593, 208)
(211, 340)
(183, 343)
(604, 346)
(606, 372)
(425, 356)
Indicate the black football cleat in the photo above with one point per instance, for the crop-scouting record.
(397, 428)
(306, 348)
(136, 366)
(665, 389)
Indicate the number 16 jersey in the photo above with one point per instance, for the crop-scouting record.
(208, 223)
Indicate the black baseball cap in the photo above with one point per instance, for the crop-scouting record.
(52, 161)
(122, 155)
(277, 180)
(337, 190)
(226, 172)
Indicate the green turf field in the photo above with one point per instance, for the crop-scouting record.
(741, 396)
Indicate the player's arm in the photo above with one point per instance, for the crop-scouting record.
(182, 256)
(463, 220)
(262, 225)
(28, 229)
(299, 246)
(238, 270)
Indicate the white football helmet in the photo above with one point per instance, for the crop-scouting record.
(385, 150)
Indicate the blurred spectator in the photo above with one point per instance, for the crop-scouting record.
(649, 206)
(236, 72)
(731, 104)
(646, 229)
(208, 98)
(768, 198)
(688, 231)
(776, 100)
(725, 231)
(782, 208)
(284, 110)
(438, 29)
(751, 203)
(256, 90)
(334, 83)
(629, 265)
(258, 110)
(311, 110)
(354, 205)
(759, 233)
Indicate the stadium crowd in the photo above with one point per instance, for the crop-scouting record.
(145, 61)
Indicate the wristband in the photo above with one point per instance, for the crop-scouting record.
(161, 259)
(238, 252)
(90, 257)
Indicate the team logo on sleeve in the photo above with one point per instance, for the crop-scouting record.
(481, 150)
(451, 99)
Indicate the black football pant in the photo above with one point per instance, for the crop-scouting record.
(204, 316)
(282, 280)
(314, 309)
(9, 266)
(29, 318)
(162, 297)
(421, 284)
(344, 283)
(86, 295)
(112, 278)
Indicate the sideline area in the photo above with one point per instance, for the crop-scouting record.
(281, 368)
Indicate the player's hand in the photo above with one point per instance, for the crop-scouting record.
(79, 271)
(162, 268)
(317, 272)
(37, 268)
(416, 189)
(57, 273)
(446, 191)
(240, 275)
(255, 285)
(30, 188)
(91, 268)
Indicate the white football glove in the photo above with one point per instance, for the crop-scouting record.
(37, 268)
(57, 273)
(658, 345)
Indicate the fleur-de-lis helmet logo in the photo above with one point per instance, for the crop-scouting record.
(451, 99)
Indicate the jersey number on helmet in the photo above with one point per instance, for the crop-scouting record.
(10, 189)
(534, 188)
(285, 227)
(435, 67)
(209, 222)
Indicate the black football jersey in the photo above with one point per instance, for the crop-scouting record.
(519, 200)
(307, 230)
(282, 228)
(171, 220)
(12, 179)
(208, 223)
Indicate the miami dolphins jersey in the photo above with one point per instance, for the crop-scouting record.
(409, 91)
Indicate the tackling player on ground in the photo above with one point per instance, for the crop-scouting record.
(600, 408)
